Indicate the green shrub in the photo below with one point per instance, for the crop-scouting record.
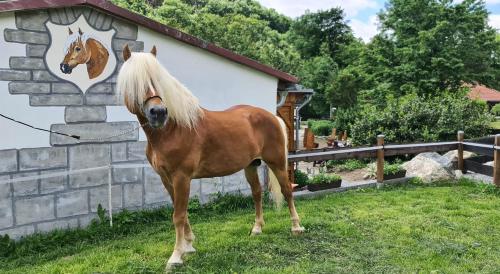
(345, 165)
(301, 178)
(390, 169)
(325, 178)
(495, 110)
(414, 119)
(321, 127)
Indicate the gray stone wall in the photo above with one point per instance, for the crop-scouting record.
(69, 201)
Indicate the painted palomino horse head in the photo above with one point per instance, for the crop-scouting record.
(82, 49)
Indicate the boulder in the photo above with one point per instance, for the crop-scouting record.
(453, 155)
(430, 166)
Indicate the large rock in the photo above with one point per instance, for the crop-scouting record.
(429, 166)
(453, 155)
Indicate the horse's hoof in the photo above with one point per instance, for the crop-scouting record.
(298, 230)
(172, 266)
(256, 232)
(189, 248)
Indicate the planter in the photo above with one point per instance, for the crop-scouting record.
(299, 188)
(397, 175)
(317, 187)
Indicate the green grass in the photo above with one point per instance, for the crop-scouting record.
(446, 228)
(495, 125)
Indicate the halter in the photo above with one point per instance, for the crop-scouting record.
(152, 89)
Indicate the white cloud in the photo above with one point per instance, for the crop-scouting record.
(295, 8)
(492, 2)
(495, 21)
(365, 30)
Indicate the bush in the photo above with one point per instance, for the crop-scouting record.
(324, 178)
(345, 165)
(321, 127)
(495, 110)
(414, 119)
(390, 169)
(301, 178)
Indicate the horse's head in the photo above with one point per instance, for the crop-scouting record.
(153, 108)
(76, 52)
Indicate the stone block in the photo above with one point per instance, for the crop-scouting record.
(72, 203)
(43, 76)
(95, 133)
(235, 182)
(8, 160)
(103, 99)
(29, 37)
(35, 50)
(105, 88)
(210, 187)
(14, 75)
(125, 30)
(6, 216)
(89, 156)
(100, 194)
(86, 220)
(42, 158)
(53, 184)
(5, 189)
(155, 192)
(127, 175)
(34, 209)
(119, 152)
(65, 88)
(56, 100)
(77, 114)
(17, 232)
(23, 188)
(32, 20)
(59, 225)
(137, 151)
(28, 88)
(195, 188)
(26, 63)
(135, 46)
(132, 195)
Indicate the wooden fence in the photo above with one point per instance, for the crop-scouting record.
(381, 150)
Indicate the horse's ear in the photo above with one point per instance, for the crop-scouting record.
(153, 51)
(80, 31)
(126, 52)
(70, 31)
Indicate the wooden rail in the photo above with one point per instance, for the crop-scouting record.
(381, 151)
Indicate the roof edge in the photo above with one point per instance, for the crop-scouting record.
(124, 14)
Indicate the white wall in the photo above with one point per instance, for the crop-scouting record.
(216, 81)
(14, 135)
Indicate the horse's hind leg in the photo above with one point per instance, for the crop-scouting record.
(253, 179)
(286, 189)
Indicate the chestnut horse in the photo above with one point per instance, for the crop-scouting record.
(80, 49)
(186, 141)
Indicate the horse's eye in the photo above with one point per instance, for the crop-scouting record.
(77, 48)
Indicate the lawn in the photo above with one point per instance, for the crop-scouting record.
(452, 227)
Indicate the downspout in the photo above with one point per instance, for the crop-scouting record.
(297, 119)
(283, 94)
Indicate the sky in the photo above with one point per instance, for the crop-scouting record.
(361, 14)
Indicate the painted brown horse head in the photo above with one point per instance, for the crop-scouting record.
(153, 108)
(77, 54)
(82, 49)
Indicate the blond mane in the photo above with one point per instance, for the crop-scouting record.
(143, 69)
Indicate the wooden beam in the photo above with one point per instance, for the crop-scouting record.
(478, 167)
(460, 151)
(481, 149)
(380, 159)
(392, 150)
(496, 163)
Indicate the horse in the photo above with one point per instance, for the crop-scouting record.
(186, 141)
(82, 48)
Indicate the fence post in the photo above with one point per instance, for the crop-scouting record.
(496, 153)
(460, 151)
(380, 160)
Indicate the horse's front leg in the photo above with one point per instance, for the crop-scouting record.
(181, 184)
(188, 233)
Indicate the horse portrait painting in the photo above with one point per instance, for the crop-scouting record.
(82, 48)
(186, 141)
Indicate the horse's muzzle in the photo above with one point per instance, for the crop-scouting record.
(157, 116)
(65, 68)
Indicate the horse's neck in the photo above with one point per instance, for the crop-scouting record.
(98, 58)
(169, 132)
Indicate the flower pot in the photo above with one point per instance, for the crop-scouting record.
(397, 175)
(317, 187)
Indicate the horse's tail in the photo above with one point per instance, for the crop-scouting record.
(274, 185)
